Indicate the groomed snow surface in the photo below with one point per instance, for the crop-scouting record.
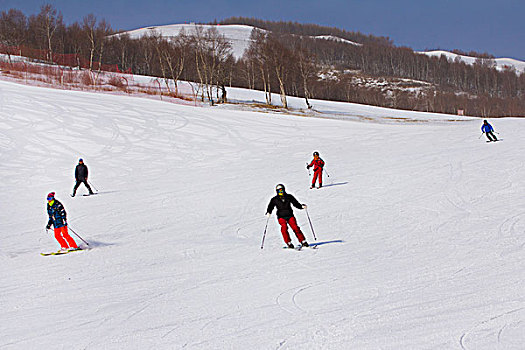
(420, 224)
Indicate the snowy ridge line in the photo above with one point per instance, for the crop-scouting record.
(501, 63)
(239, 37)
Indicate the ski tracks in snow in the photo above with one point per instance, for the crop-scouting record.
(498, 331)
(287, 300)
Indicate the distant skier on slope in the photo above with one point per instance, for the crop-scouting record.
(488, 130)
(318, 165)
(283, 201)
(81, 176)
(58, 218)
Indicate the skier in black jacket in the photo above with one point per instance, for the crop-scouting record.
(81, 176)
(283, 202)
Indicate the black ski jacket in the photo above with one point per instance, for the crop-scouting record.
(81, 172)
(284, 205)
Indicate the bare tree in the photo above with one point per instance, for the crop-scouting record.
(49, 20)
(257, 55)
(211, 52)
(13, 28)
(96, 36)
(88, 25)
(308, 69)
(175, 55)
(279, 58)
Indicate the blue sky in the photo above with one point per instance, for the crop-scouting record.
(497, 27)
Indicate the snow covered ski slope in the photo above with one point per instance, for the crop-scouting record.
(421, 228)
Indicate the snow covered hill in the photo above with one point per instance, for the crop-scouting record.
(420, 224)
(239, 37)
(501, 63)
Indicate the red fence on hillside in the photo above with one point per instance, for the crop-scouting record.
(70, 60)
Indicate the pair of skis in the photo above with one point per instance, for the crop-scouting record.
(61, 252)
(300, 247)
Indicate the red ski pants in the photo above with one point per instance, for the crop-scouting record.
(318, 174)
(293, 224)
(64, 239)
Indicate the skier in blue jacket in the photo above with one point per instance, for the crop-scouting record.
(58, 218)
(488, 130)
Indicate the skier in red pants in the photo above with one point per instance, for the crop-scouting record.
(318, 165)
(283, 201)
(57, 218)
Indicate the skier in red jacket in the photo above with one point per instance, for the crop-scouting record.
(318, 165)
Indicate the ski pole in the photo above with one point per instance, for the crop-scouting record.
(310, 221)
(480, 136)
(307, 167)
(264, 234)
(327, 173)
(78, 236)
(92, 185)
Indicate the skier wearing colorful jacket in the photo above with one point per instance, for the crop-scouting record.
(81, 176)
(58, 218)
(283, 202)
(318, 165)
(488, 130)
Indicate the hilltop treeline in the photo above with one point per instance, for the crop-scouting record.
(308, 30)
(283, 58)
(477, 88)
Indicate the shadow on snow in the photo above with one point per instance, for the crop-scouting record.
(95, 244)
(326, 242)
(336, 184)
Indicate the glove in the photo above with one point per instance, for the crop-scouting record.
(267, 215)
(304, 206)
(48, 227)
(307, 167)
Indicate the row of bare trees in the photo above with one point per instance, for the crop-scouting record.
(201, 56)
(47, 31)
(300, 29)
(290, 64)
(280, 61)
(287, 67)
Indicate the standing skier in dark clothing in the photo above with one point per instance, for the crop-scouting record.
(81, 176)
(318, 165)
(488, 130)
(283, 201)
